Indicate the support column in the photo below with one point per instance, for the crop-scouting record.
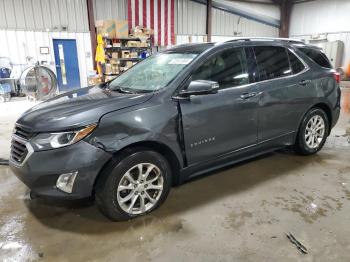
(92, 29)
(286, 10)
(209, 11)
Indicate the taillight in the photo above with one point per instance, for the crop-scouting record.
(337, 77)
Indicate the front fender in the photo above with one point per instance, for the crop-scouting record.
(147, 123)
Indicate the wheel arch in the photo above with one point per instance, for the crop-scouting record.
(326, 108)
(328, 112)
(158, 147)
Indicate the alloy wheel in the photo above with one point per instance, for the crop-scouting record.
(315, 131)
(140, 188)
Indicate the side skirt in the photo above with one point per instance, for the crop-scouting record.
(237, 156)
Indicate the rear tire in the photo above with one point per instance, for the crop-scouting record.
(312, 133)
(134, 185)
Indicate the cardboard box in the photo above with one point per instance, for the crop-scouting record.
(116, 44)
(106, 28)
(115, 69)
(109, 78)
(133, 54)
(136, 30)
(121, 28)
(114, 61)
(141, 32)
(125, 54)
(112, 28)
(115, 55)
(143, 44)
(94, 80)
(108, 69)
(133, 44)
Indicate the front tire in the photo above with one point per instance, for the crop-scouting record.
(312, 133)
(133, 186)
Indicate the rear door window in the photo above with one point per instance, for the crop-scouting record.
(296, 65)
(317, 56)
(228, 68)
(272, 62)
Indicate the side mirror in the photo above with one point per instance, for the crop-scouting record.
(200, 87)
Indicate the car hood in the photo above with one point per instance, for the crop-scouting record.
(77, 108)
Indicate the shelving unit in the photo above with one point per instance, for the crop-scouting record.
(123, 53)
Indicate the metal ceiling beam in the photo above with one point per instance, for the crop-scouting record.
(255, 2)
(236, 11)
(277, 2)
(302, 1)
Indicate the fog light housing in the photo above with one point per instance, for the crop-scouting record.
(65, 182)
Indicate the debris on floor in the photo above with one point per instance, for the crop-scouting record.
(299, 245)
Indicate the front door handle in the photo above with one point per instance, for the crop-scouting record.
(248, 95)
(304, 82)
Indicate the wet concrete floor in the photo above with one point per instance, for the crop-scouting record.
(240, 213)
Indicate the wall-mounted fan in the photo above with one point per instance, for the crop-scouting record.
(38, 82)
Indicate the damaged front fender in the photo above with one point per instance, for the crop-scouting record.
(156, 122)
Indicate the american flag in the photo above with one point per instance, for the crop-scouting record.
(155, 14)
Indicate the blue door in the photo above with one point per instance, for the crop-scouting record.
(67, 67)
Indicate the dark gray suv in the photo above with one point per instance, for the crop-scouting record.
(175, 115)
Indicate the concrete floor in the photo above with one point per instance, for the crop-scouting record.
(241, 213)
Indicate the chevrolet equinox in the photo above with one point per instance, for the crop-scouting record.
(177, 114)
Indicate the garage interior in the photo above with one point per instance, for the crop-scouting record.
(238, 213)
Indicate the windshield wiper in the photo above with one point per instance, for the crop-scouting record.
(122, 90)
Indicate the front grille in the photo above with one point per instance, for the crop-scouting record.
(22, 132)
(20, 137)
(19, 150)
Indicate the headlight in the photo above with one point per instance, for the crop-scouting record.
(45, 141)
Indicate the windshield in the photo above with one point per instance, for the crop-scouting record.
(152, 74)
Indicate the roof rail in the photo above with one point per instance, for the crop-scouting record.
(289, 40)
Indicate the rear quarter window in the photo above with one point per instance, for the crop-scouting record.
(296, 65)
(317, 56)
(272, 62)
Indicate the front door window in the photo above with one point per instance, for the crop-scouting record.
(228, 68)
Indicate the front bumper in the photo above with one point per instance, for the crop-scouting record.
(42, 168)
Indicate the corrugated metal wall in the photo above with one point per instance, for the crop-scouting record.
(227, 24)
(342, 36)
(44, 15)
(323, 17)
(20, 45)
(25, 25)
(110, 9)
(191, 24)
(320, 16)
(259, 9)
(191, 20)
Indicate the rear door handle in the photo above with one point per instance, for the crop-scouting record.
(304, 82)
(248, 95)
